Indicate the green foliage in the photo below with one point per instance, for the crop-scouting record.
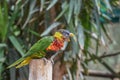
(16, 44)
(3, 33)
(23, 22)
(3, 21)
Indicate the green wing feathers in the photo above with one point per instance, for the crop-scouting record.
(37, 49)
(40, 45)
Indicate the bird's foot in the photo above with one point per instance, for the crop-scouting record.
(52, 61)
(45, 60)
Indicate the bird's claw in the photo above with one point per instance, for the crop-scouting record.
(45, 60)
(52, 61)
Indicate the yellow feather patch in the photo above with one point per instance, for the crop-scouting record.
(58, 35)
(25, 62)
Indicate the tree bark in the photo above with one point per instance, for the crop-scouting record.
(40, 69)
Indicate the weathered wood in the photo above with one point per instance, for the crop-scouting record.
(39, 69)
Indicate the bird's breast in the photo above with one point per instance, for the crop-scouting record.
(56, 45)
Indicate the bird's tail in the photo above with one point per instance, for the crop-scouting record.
(16, 63)
(20, 62)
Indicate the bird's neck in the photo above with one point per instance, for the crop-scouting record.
(58, 36)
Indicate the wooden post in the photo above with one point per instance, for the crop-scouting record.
(39, 69)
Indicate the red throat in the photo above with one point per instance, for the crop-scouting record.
(56, 45)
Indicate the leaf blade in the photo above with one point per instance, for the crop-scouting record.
(53, 2)
(52, 26)
(16, 44)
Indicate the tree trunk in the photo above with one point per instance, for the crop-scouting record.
(40, 69)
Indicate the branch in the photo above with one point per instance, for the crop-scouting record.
(104, 56)
(110, 55)
(99, 74)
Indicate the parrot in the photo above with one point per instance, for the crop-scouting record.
(41, 47)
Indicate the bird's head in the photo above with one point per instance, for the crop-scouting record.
(63, 35)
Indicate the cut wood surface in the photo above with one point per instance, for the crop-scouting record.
(39, 69)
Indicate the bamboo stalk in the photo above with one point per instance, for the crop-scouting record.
(39, 69)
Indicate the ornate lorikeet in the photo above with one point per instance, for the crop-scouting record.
(42, 46)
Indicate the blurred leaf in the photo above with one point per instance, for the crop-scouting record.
(106, 16)
(103, 8)
(3, 21)
(5, 12)
(17, 33)
(97, 2)
(71, 6)
(77, 6)
(67, 56)
(53, 2)
(75, 48)
(69, 73)
(108, 5)
(2, 60)
(93, 35)
(35, 33)
(51, 27)
(22, 7)
(18, 1)
(64, 9)
(94, 25)
(2, 45)
(103, 41)
(32, 3)
(42, 5)
(1, 63)
(107, 33)
(16, 44)
(81, 37)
